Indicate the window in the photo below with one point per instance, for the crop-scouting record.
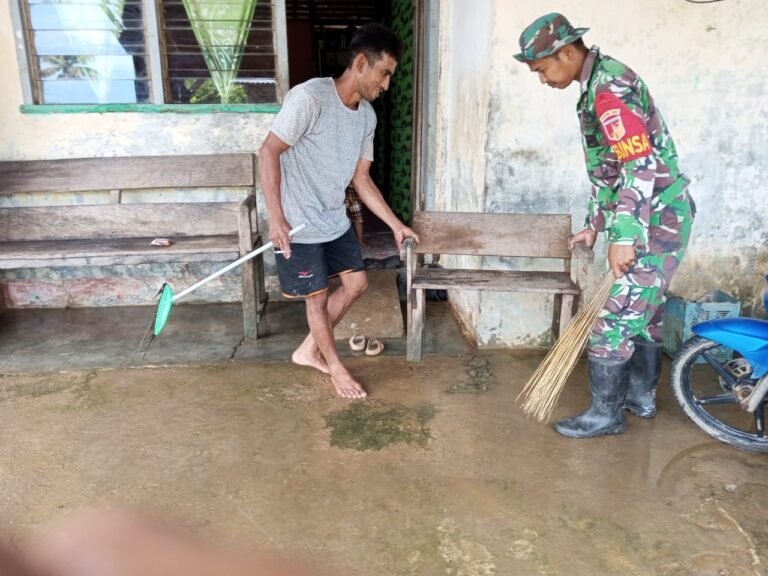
(88, 51)
(139, 52)
(218, 51)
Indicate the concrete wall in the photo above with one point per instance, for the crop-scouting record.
(33, 137)
(703, 66)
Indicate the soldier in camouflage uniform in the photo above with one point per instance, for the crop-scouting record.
(639, 199)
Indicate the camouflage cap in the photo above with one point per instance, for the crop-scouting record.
(546, 35)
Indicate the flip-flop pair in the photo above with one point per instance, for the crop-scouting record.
(372, 346)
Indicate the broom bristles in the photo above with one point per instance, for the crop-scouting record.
(545, 385)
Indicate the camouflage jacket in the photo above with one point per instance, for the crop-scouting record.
(631, 158)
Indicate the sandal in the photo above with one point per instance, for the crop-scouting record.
(357, 342)
(374, 347)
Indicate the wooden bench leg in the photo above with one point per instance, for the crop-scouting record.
(261, 293)
(3, 305)
(566, 313)
(250, 303)
(416, 302)
(254, 295)
(262, 296)
(577, 303)
(556, 310)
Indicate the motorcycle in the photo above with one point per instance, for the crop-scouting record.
(720, 379)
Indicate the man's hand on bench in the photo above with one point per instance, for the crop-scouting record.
(402, 233)
(586, 236)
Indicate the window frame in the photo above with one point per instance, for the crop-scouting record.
(155, 65)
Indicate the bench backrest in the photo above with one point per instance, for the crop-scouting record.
(118, 220)
(128, 173)
(483, 234)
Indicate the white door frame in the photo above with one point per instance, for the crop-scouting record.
(425, 59)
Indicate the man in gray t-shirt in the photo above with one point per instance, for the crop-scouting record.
(320, 141)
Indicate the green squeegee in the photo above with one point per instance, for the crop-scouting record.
(167, 298)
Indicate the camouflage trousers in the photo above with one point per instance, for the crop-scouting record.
(635, 307)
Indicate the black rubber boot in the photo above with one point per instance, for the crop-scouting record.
(644, 372)
(608, 381)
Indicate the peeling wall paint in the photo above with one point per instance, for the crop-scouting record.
(74, 287)
(462, 126)
(742, 275)
(711, 97)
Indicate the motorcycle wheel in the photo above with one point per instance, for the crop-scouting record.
(705, 392)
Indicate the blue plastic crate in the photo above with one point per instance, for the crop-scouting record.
(680, 316)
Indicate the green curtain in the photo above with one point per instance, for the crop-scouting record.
(400, 114)
(221, 30)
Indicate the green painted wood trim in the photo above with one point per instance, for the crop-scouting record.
(149, 108)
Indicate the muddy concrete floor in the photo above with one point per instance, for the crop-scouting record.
(438, 473)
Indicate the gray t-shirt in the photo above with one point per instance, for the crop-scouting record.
(326, 141)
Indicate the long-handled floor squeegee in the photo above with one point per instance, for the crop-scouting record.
(168, 298)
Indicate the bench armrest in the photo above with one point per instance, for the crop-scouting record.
(582, 258)
(406, 247)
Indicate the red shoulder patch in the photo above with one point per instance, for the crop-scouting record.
(625, 131)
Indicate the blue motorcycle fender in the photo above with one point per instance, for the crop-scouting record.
(748, 336)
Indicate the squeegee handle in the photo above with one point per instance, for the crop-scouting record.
(234, 264)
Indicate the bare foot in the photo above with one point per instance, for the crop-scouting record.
(346, 386)
(308, 355)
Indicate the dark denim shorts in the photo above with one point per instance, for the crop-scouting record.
(307, 271)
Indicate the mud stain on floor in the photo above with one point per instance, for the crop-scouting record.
(375, 425)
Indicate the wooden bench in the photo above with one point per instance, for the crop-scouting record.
(504, 235)
(76, 235)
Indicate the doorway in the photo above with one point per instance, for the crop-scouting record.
(318, 36)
